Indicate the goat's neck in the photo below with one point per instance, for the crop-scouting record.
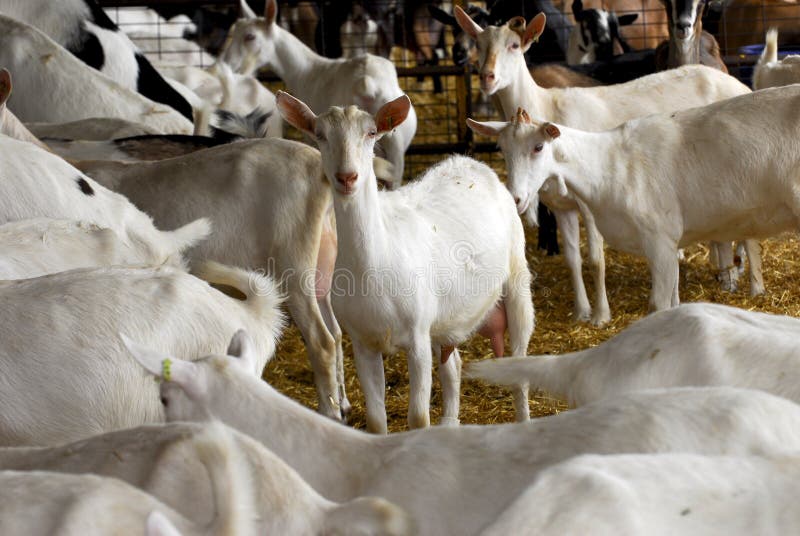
(685, 52)
(360, 228)
(13, 127)
(333, 458)
(524, 92)
(586, 160)
(294, 62)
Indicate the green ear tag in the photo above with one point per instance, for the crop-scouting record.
(166, 369)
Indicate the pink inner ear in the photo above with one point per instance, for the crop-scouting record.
(552, 131)
(535, 28)
(271, 10)
(392, 114)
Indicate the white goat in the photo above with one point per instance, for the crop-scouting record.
(94, 128)
(503, 72)
(429, 262)
(270, 204)
(163, 461)
(92, 384)
(40, 246)
(769, 72)
(650, 193)
(76, 91)
(86, 32)
(368, 81)
(35, 183)
(42, 502)
(454, 480)
(658, 495)
(691, 345)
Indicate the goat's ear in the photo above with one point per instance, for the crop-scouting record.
(627, 20)
(577, 10)
(5, 86)
(486, 128)
(465, 22)
(533, 31)
(243, 348)
(271, 11)
(392, 114)
(517, 25)
(245, 11)
(296, 112)
(158, 364)
(157, 524)
(551, 130)
(442, 16)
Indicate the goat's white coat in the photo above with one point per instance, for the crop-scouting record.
(594, 108)
(659, 495)
(452, 480)
(68, 342)
(666, 181)
(769, 72)
(40, 246)
(92, 129)
(691, 345)
(428, 261)
(268, 200)
(164, 462)
(368, 81)
(37, 502)
(74, 90)
(35, 183)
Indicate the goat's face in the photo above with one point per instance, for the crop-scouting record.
(528, 151)
(345, 136)
(500, 48)
(595, 30)
(684, 17)
(250, 44)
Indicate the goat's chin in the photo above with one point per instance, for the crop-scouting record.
(489, 89)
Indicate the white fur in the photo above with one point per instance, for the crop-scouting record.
(52, 85)
(158, 47)
(649, 192)
(691, 345)
(428, 263)
(595, 108)
(36, 183)
(658, 495)
(368, 81)
(455, 480)
(40, 246)
(37, 502)
(93, 129)
(65, 374)
(269, 497)
(769, 72)
(269, 203)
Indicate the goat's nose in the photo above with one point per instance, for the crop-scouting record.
(516, 199)
(487, 76)
(346, 179)
(682, 28)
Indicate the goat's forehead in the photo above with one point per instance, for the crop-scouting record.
(497, 35)
(337, 118)
(247, 25)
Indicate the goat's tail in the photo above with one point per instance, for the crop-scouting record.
(261, 292)
(190, 234)
(230, 481)
(770, 53)
(554, 374)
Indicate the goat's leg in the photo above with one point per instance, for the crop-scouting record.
(369, 365)
(663, 259)
(753, 249)
(321, 348)
(597, 265)
(728, 274)
(570, 232)
(335, 330)
(450, 378)
(420, 363)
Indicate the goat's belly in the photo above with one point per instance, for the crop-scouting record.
(757, 223)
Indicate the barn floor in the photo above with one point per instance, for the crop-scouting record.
(627, 281)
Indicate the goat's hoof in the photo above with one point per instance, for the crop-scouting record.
(601, 319)
(729, 279)
(756, 290)
(582, 315)
(345, 409)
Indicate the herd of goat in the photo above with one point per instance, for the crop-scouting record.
(131, 357)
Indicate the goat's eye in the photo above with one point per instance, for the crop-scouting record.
(371, 133)
(249, 37)
(164, 402)
(320, 136)
(515, 45)
(538, 148)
